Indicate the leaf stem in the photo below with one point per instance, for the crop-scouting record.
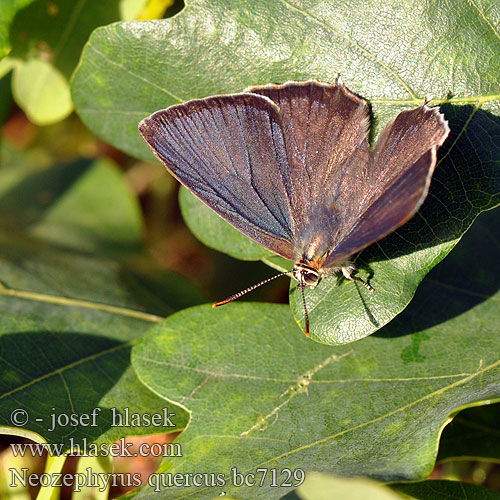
(69, 302)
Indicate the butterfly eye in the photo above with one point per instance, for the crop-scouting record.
(310, 278)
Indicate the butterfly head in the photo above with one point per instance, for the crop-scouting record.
(306, 275)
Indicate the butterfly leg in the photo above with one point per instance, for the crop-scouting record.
(348, 270)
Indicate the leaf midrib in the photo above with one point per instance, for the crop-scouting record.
(219, 375)
(71, 302)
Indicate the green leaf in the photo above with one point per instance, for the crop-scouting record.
(256, 46)
(445, 490)
(473, 435)
(42, 91)
(87, 206)
(319, 486)
(47, 39)
(66, 331)
(7, 13)
(263, 396)
(259, 42)
(83, 205)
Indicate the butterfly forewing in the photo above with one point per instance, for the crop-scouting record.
(400, 174)
(230, 152)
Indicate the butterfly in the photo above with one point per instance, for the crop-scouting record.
(290, 166)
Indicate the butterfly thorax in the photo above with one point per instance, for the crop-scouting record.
(317, 237)
(314, 247)
(310, 265)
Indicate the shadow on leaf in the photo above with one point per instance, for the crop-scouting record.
(469, 276)
(76, 369)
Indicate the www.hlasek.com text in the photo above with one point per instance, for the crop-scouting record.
(83, 448)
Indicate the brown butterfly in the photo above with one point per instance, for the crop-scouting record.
(290, 166)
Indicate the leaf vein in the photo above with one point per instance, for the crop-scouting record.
(405, 85)
(69, 366)
(71, 302)
(135, 75)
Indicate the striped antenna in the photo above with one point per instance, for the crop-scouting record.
(306, 316)
(249, 289)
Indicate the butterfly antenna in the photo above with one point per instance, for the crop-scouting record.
(249, 289)
(306, 316)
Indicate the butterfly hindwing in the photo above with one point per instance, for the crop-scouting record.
(401, 168)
